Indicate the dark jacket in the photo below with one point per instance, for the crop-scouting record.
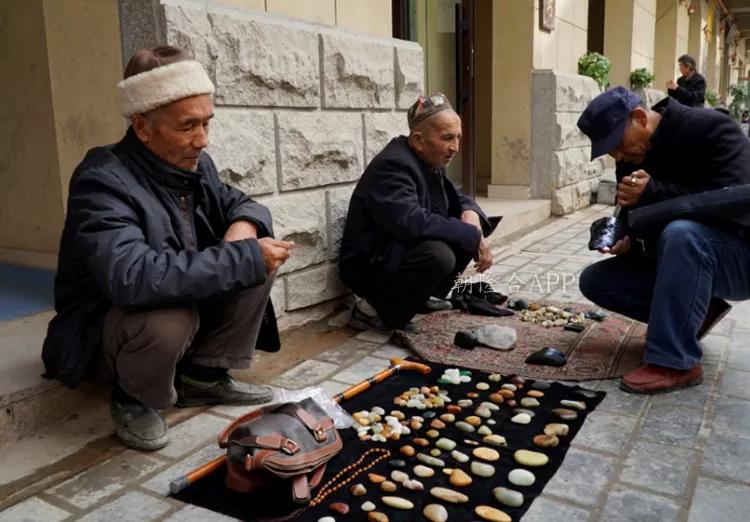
(693, 151)
(690, 91)
(142, 233)
(398, 202)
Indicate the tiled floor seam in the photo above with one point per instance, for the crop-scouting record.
(614, 478)
(703, 435)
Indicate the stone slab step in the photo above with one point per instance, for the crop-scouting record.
(519, 217)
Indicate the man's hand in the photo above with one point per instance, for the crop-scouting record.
(619, 248)
(631, 187)
(240, 230)
(671, 84)
(275, 252)
(483, 257)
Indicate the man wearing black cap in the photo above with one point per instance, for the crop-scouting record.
(409, 232)
(675, 279)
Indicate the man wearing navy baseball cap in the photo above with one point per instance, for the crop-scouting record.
(675, 272)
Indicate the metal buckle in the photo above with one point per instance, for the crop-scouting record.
(289, 447)
(320, 435)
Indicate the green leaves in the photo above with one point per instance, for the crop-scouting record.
(596, 66)
(641, 78)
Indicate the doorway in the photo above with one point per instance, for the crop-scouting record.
(445, 29)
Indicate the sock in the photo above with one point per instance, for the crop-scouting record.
(203, 374)
(120, 397)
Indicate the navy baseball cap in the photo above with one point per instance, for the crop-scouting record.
(605, 118)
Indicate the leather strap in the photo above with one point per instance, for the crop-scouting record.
(300, 488)
(316, 427)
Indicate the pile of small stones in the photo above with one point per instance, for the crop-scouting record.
(548, 316)
(461, 461)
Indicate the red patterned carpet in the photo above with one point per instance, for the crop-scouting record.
(604, 350)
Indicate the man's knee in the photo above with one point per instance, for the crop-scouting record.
(588, 280)
(169, 330)
(682, 234)
(442, 258)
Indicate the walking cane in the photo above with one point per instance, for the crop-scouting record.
(397, 365)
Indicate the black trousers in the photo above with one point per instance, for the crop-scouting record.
(428, 269)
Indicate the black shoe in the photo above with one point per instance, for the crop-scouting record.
(138, 426)
(226, 390)
(547, 357)
(359, 320)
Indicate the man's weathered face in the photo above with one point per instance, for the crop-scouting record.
(177, 132)
(636, 140)
(436, 140)
(684, 69)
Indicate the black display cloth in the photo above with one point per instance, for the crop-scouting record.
(274, 502)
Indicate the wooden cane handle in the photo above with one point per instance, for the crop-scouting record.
(410, 366)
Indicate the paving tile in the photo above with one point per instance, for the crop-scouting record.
(733, 506)
(192, 434)
(33, 510)
(234, 411)
(739, 360)
(333, 387)
(726, 455)
(160, 483)
(713, 348)
(362, 370)
(103, 480)
(545, 509)
(567, 483)
(696, 396)
(306, 373)
(732, 415)
(133, 506)
(735, 383)
(605, 431)
(197, 514)
(672, 424)
(373, 337)
(661, 468)
(347, 353)
(617, 401)
(626, 505)
(388, 350)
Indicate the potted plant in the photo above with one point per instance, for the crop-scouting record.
(712, 98)
(640, 79)
(596, 66)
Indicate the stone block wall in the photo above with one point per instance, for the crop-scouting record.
(300, 111)
(560, 166)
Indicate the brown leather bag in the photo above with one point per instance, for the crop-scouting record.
(291, 441)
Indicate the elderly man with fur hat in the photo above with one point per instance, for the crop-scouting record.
(409, 232)
(164, 272)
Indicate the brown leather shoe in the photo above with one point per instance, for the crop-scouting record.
(651, 379)
(717, 309)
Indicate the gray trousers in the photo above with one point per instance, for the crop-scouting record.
(141, 349)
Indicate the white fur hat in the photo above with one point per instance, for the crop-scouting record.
(160, 86)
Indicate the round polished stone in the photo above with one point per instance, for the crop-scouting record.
(529, 402)
(480, 469)
(473, 420)
(388, 486)
(465, 426)
(358, 490)
(399, 476)
(565, 414)
(449, 495)
(407, 451)
(495, 440)
(375, 478)
(446, 444)
(484, 430)
(535, 394)
(397, 463)
(530, 458)
(447, 417)
(483, 386)
(492, 514)
(521, 418)
(435, 513)
(546, 441)
(459, 457)
(576, 405)
(339, 508)
(541, 385)
(557, 429)
(459, 478)
(488, 454)
(423, 471)
(368, 506)
(377, 516)
(521, 477)
(508, 497)
(398, 502)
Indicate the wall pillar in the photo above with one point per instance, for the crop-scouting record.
(512, 64)
(672, 26)
(59, 101)
(697, 46)
(629, 31)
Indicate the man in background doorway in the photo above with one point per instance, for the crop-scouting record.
(690, 88)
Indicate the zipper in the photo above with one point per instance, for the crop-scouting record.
(186, 207)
